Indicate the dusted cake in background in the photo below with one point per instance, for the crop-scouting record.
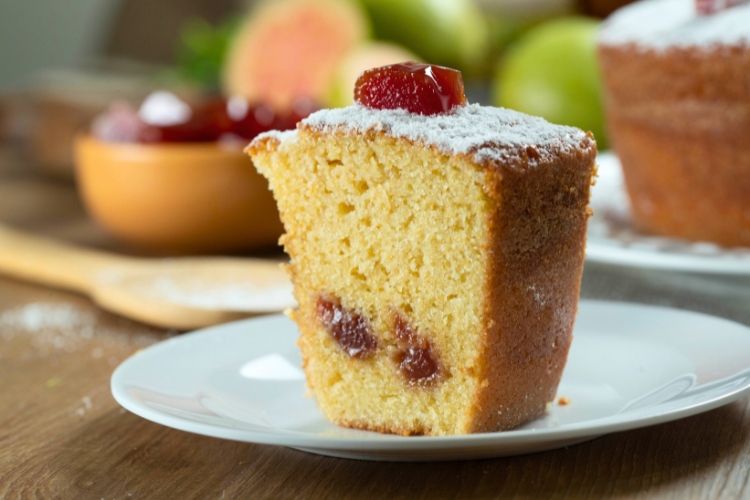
(678, 110)
(436, 261)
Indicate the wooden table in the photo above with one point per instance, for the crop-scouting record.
(63, 436)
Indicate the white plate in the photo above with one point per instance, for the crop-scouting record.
(630, 366)
(612, 238)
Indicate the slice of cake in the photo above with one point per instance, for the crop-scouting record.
(436, 261)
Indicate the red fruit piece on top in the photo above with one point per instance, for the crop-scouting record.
(418, 88)
(708, 7)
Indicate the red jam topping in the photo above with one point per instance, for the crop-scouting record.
(164, 117)
(351, 330)
(415, 358)
(419, 88)
(708, 7)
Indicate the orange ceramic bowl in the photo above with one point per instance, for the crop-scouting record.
(183, 198)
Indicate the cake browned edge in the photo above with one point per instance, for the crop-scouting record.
(533, 260)
(511, 325)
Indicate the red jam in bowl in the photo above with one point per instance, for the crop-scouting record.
(165, 118)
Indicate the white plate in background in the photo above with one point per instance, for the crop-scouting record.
(612, 238)
(630, 366)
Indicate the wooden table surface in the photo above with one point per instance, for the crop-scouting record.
(62, 435)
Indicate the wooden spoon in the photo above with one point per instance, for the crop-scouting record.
(181, 293)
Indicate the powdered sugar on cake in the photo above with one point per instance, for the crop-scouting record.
(485, 133)
(662, 24)
(279, 135)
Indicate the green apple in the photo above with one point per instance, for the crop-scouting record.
(446, 32)
(365, 56)
(552, 72)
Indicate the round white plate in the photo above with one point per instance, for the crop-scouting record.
(630, 366)
(612, 238)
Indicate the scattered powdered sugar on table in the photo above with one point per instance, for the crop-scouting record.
(65, 327)
(486, 133)
(661, 24)
(40, 316)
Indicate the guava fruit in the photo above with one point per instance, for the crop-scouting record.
(288, 49)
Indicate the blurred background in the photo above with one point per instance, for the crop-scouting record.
(148, 103)
(63, 63)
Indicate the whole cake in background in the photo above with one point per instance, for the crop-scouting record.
(677, 81)
(436, 253)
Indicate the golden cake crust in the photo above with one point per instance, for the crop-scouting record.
(535, 268)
